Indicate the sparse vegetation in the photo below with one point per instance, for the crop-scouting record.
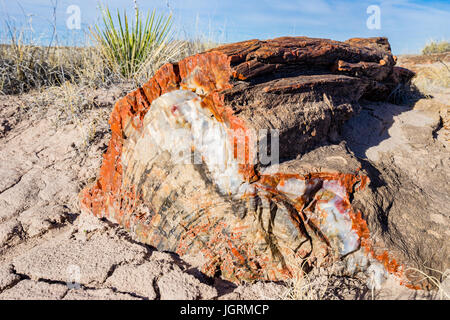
(433, 78)
(406, 94)
(25, 65)
(64, 79)
(324, 286)
(435, 280)
(120, 50)
(436, 47)
(127, 45)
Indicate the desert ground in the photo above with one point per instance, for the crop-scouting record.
(52, 142)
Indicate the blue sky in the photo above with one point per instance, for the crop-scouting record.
(409, 24)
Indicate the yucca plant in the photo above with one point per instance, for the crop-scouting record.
(126, 45)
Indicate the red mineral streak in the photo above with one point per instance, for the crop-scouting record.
(239, 251)
(361, 228)
(209, 72)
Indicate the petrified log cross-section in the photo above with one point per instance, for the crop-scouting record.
(183, 175)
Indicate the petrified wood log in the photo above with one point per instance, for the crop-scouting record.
(206, 158)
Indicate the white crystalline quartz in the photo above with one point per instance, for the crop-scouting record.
(176, 122)
(334, 220)
(377, 275)
(374, 270)
(336, 223)
(335, 187)
(293, 188)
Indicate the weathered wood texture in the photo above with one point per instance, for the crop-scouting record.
(246, 219)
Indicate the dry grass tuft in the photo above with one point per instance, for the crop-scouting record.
(433, 78)
(435, 281)
(24, 67)
(406, 94)
(302, 287)
(324, 284)
(436, 47)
